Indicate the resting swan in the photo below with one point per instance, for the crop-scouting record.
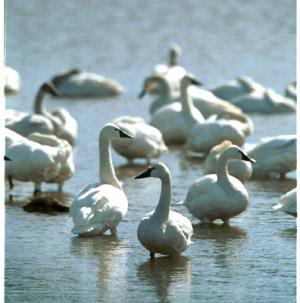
(239, 169)
(101, 206)
(219, 196)
(12, 82)
(41, 158)
(234, 88)
(275, 156)
(77, 83)
(164, 231)
(176, 120)
(288, 203)
(147, 142)
(265, 102)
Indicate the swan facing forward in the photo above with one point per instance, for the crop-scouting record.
(147, 140)
(219, 196)
(101, 206)
(288, 203)
(164, 231)
(77, 83)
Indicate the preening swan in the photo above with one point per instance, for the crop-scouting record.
(176, 120)
(219, 196)
(43, 158)
(234, 88)
(12, 81)
(147, 141)
(288, 203)
(241, 170)
(265, 102)
(275, 156)
(77, 83)
(164, 231)
(101, 206)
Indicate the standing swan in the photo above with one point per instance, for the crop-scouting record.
(164, 231)
(219, 196)
(101, 206)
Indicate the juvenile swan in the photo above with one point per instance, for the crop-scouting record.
(219, 196)
(163, 230)
(101, 206)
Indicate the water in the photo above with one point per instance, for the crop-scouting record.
(253, 260)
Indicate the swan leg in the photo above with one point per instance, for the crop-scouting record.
(226, 221)
(60, 187)
(10, 181)
(37, 189)
(152, 255)
(113, 230)
(282, 175)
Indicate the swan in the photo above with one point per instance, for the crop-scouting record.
(288, 203)
(291, 91)
(147, 140)
(175, 120)
(264, 102)
(12, 81)
(275, 156)
(77, 83)
(239, 169)
(219, 196)
(45, 158)
(234, 88)
(164, 231)
(101, 206)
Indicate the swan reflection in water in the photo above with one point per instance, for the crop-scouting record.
(165, 272)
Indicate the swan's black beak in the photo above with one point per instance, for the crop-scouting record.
(196, 82)
(7, 159)
(124, 134)
(145, 174)
(142, 93)
(247, 158)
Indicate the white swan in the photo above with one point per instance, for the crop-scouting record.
(234, 88)
(147, 142)
(101, 206)
(265, 102)
(241, 170)
(274, 156)
(12, 81)
(164, 231)
(77, 83)
(291, 90)
(288, 203)
(46, 159)
(176, 120)
(219, 196)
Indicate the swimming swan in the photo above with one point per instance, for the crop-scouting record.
(219, 196)
(77, 83)
(176, 120)
(147, 142)
(46, 159)
(101, 206)
(275, 156)
(234, 88)
(239, 169)
(164, 231)
(265, 102)
(288, 203)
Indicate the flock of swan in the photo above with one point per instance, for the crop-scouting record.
(214, 123)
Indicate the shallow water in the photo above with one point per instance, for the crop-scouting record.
(252, 260)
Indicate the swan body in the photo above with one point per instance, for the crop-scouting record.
(265, 102)
(234, 88)
(147, 142)
(175, 120)
(101, 206)
(164, 231)
(274, 156)
(12, 82)
(45, 158)
(77, 83)
(288, 203)
(219, 196)
(239, 169)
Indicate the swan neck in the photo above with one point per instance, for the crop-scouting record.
(222, 172)
(106, 170)
(187, 106)
(39, 107)
(164, 205)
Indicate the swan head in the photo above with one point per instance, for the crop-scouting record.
(233, 152)
(188, 80)
(174, 53)
(112, 131)
(157, 170)
(49, 88)
(154, 84)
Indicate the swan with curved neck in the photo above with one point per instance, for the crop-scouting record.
(219, 196)
(101, 206)
(175, 120)
(163, 230)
